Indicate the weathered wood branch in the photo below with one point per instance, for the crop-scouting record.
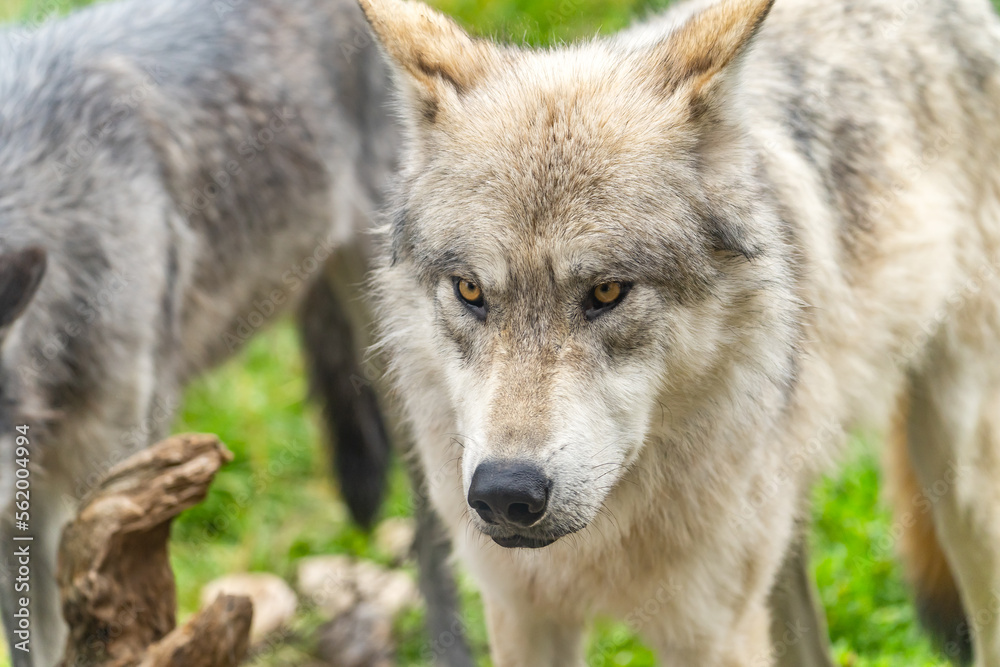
(118, 591)
(218, 636)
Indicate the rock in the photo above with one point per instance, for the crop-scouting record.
(338, 583)
(391, 590)
(360, 637)
(328, 582)
(274, 601)
(394, 538)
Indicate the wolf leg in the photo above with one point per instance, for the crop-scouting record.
(798, 626)
(733, 640)
(938, 600)
(521, 638)
(953, 433)
(446, 628)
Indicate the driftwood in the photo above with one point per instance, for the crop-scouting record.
(118, 591)
(217, 636)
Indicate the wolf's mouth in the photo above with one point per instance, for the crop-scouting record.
(523, 542)
(543, 537)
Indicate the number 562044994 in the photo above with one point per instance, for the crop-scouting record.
(22, 482)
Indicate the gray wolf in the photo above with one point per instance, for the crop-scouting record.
(172, 175)
(635, 291)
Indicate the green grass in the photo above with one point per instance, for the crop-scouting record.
(275, 504)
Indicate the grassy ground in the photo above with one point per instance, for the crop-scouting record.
(274, 504)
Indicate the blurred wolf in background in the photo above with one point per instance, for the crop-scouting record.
(173, 173)
(636, 290)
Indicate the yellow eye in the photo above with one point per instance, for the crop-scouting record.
(469, 291)
(607, 292)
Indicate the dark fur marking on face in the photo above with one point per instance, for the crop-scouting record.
(457, 330)
(432, 261)
(632, 334)
(731, 237)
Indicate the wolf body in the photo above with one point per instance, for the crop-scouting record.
(172, 175)
(637, 289)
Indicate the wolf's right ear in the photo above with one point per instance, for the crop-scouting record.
(21, 272)
(438, 60)
(704, 46)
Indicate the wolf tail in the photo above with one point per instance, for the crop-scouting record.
(939, 604)
(354, 424)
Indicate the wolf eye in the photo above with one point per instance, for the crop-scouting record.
(604, 297)
(607, 292)
(469, 291)
(471, 295)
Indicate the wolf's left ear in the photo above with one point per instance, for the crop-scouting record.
(701, 48)
(439, 60)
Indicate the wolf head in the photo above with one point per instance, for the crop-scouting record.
(579, 256)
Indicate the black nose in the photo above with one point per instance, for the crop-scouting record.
(509, 491)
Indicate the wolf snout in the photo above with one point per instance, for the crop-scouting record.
(509, 492)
